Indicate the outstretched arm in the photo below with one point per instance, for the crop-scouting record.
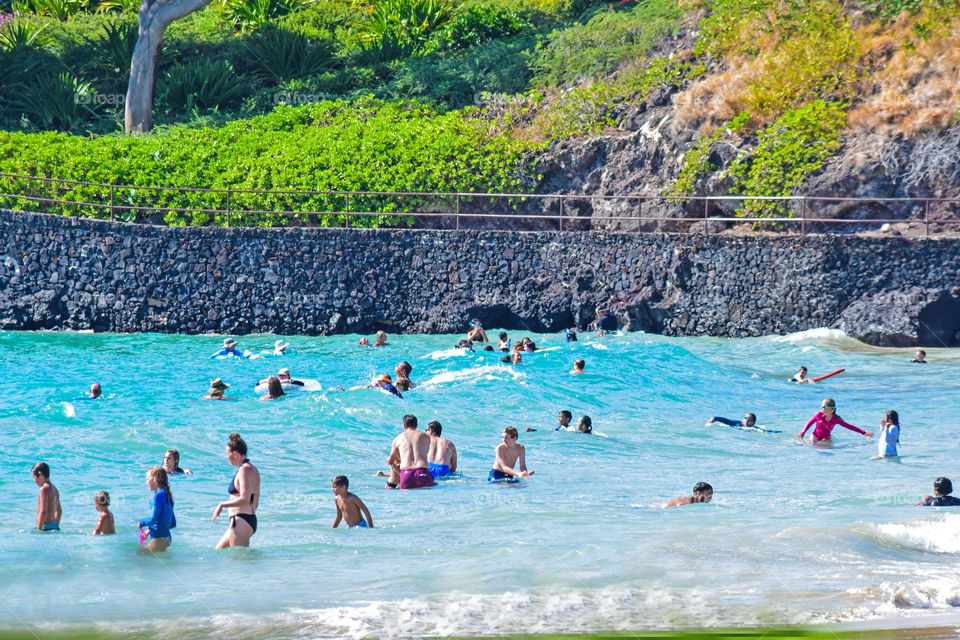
(804, 432)
(725, 421)
(841, 421)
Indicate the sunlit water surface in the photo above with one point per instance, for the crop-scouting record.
(795, 534)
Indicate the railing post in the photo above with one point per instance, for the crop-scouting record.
(926, 217)
(706, 204)
(229, 192)
(346, 212)
(639, 215)
(112, 187)
(803, 216)
(458, 212)
(561, 212)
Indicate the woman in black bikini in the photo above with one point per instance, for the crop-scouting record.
(244, 497)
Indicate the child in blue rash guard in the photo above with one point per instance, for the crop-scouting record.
(349, 506)
(889, 435)
(563, 421)
(162, 519)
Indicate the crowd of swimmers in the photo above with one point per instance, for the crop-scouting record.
(416, 460)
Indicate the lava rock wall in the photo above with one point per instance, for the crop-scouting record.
(67, 273)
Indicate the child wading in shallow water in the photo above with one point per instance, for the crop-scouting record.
(48, 500)
(349, 506)
(101, 500)
(826, 419)
(160, 522)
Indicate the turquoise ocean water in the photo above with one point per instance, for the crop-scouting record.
(795, 534)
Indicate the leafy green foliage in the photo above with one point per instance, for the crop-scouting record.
(56, 9)
(21, 34)
(607, 41)
(277, 55)
(788, 151)
(404, 24)
(696, 161)
(367, 145)
(478, 25)
(805, 49)
(248, 15)
(54, 101)
(200, 84)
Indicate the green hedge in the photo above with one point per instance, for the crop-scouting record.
(367, 145)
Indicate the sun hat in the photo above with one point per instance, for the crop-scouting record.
(218, 384)
(229, 342)
(384, 377)
(280, 345)
(283, 372)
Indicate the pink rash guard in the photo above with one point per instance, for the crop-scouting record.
(825, 426)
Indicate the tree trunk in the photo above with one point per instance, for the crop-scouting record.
(155, 17)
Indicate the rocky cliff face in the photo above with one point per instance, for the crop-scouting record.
(645, 155)
(69, 273)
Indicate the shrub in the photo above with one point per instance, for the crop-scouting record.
(366, 145)
(277, 55)
(456, 79)
(478, 25)
(248, 15)
(20, 34)
(54, 101)
(200, 84)
(787, 152)
(696, 161)
(609, 39)
(56, 9)
(406, 24)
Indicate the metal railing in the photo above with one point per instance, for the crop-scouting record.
(455, 210)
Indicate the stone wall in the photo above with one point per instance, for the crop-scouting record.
(68, 273)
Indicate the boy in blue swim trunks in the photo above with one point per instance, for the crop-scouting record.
(509, 463)
(48, 500)
(442, 456)
(349, 506)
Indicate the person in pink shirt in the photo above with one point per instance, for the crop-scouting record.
(826, 419)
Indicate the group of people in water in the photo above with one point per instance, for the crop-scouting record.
(416, 459)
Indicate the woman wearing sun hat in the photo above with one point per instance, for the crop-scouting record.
(217, 388)
(230, 350)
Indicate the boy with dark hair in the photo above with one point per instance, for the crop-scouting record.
(442, 456)
(349, 506)
(702, 492)
(563, 421)
(942, 488)
(578, 365)
(48, 500)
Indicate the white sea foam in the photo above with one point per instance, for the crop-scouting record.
(452, 352)
(609, 609)
(940, 535)
(486, 372)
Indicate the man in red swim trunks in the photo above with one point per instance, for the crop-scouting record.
(412, 448)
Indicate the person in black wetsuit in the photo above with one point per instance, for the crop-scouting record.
(606, 321)
(244, 499)
(749, 420)
(942, 488)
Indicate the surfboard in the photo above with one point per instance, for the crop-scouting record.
(827, 375)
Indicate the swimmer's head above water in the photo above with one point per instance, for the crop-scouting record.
(702, 492)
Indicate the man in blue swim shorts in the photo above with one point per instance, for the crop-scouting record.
(48, 500)
(442, 456)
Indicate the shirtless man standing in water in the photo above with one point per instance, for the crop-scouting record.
(410, 451)
(442, 455)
